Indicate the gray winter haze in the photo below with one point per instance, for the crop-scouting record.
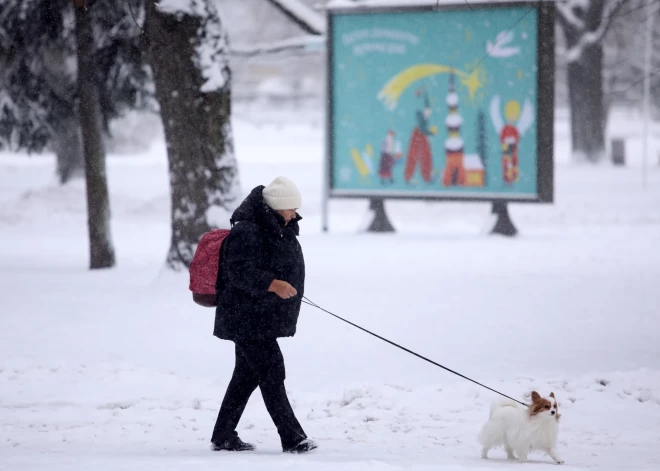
(329, 235)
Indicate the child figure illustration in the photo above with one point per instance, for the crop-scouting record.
(390, 152)
(419, 150)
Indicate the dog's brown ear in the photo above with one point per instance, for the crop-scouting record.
(536, 396)
(552, 395)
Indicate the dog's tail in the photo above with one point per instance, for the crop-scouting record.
(503, 403)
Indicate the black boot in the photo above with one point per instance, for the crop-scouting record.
(232, 444)
(303, 446)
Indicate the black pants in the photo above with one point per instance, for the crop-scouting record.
(258, 363)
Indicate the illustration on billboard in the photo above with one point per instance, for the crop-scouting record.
(435, 103)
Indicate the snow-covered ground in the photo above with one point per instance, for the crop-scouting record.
(118, 369)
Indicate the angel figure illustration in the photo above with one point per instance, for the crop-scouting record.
(516, 124)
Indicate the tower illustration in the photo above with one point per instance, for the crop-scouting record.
(454, 173)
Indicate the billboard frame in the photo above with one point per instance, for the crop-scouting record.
(544, 114)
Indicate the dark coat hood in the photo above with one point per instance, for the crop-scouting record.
(254, 209)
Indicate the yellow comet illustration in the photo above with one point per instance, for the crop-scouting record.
(393, 89)
(359, 164)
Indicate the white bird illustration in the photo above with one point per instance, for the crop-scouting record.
(500, 49)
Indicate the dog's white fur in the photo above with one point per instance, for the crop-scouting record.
(522, 429)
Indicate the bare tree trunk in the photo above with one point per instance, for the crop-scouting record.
(67, 144)
(196, 118)
(102, 254)
(585, 86)
(585, 27)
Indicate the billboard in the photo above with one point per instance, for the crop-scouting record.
(449, 102)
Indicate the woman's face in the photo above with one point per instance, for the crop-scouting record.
(287, 214)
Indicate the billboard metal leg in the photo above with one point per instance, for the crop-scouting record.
(324, 215)
(504, 224)
(380, 223)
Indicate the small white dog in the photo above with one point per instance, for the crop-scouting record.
(522, 429)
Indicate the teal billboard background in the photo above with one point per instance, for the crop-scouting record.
(435, 103)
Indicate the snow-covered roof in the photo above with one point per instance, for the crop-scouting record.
(336, 4)
(454, 144)
(304, 13)
(452, 100)
(453, 121)
(472, 162)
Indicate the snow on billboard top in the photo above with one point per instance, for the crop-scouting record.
(417, 93)
(340, 4)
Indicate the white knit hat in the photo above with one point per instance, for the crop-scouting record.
(282, 193)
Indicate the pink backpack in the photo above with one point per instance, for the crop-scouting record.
(204, 267)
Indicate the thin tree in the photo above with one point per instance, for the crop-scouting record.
(102, 253)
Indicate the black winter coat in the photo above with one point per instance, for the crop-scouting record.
(259, 249)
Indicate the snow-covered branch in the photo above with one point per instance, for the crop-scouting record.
(566, 12)
(310, 21)
(303, 43)
(181, 7)
(590, 38)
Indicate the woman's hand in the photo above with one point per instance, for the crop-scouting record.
(283, 289)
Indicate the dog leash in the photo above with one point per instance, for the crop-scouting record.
(313, 304)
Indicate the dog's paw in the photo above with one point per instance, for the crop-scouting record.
(559, 461)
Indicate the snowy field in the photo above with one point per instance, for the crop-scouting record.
(119, 370)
